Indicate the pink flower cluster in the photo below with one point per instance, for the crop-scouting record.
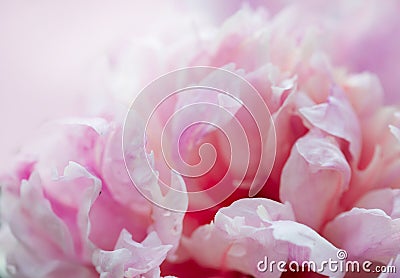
(69, 207)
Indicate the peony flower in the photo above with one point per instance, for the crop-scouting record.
(305, 157)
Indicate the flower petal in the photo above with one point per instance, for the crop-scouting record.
(132, 259)
(313, 179)
(387, 200)
(59, 228)
(249, 230)
(394, 265)
(326, 115)
(365, 234)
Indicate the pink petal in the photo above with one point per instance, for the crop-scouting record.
(168, 202)
(395, 131)
(326, 117)
(250, 229)
(364, 92)
(289, 127)
(33, 216)
(365, 234)
(387, 200)
(115, 174)
(379, 164)
(305, 244)
(87, 199)
(169, 224)
(132, 259)
(59, 228)
(313, 179)
(394, 266)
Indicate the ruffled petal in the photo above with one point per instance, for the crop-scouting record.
(132, 259)
(59, 228)
(169, 224)
(245, 233)
(169, 202)
(115, 173)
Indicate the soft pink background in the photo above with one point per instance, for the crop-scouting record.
(47, 52)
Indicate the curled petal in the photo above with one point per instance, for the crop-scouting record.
(60, 227)
(29, 216)
(72, 139)
(132, 259)
(169, 224)
(90, 187)
(313, 179)
(337, 109)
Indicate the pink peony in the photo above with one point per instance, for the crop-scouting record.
(93, 195)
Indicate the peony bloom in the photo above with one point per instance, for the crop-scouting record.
(116, 197)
